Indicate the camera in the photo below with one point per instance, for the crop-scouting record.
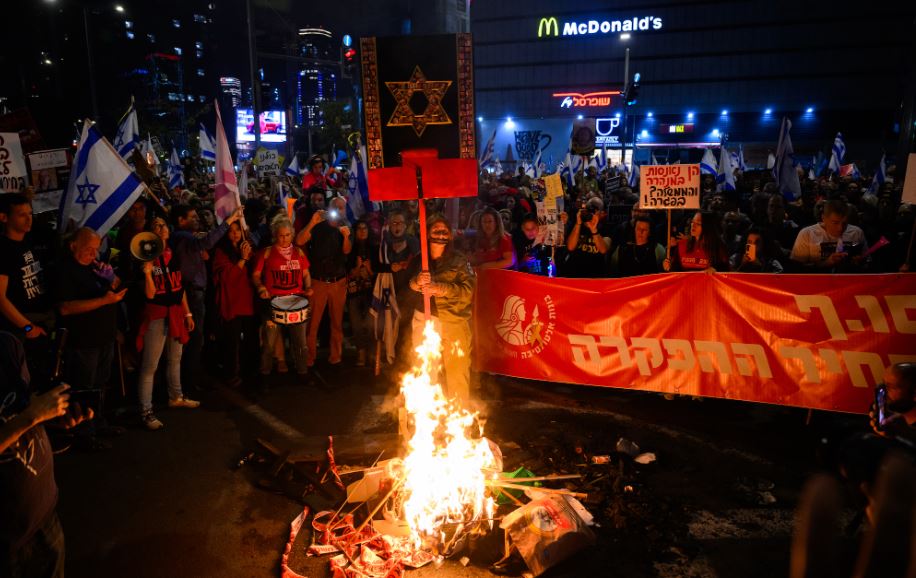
(586, 212)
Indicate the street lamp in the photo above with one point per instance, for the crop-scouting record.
(119, 8)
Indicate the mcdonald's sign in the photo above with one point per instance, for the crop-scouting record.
(548, 26)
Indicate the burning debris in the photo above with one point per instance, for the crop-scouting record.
(448, 489)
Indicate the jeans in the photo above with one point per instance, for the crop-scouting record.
(361, 322)
(190, 366)
(87, 370)
(332, 296)
(42, 556)
(271, 332)
(239, 338)
(155, 340)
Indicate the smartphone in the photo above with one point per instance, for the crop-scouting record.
(750, 251)
(333, 214)
(881, 403)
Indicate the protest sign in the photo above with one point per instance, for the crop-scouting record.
(909, 184)
(554, 189)
(268, 162)
(48, 170)
(669, 187)
(12, 163)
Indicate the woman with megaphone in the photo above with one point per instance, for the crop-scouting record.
(166, 321)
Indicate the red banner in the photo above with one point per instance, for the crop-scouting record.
(812, 341)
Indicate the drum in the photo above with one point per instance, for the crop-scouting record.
(289, 309)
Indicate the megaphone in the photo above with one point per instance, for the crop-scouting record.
(146, 246)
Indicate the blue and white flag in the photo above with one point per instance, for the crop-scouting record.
(633, 179)
(282, 194)
(708, 165)
(653, 161)
(567, 171)
(497, 166)
(783, 168)
(207, 145)
(102, 186)
(536, 165)
(601, 162)
(293, 169)
(725, 177)
(837, 153)
(741, 165)
(358, 198)
(880, 177)
(487, 156)
(176, 172)
(128, 136)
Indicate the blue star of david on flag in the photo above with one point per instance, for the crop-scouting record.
(86, 193)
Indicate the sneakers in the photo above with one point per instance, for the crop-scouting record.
(184, 402)
(150, 421)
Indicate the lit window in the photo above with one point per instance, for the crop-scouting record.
(130, 35)
(128, 24)
(151, 38)
(200, 72)
(199, 45)
(177, 50)
(200, 18)
(190, 98)
(173, 96)
(176, 23)
(202, 98)
(200, 54)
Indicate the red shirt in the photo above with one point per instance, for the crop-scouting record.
(696, 260)
(282, 276)
(234, 293)
(495, 254)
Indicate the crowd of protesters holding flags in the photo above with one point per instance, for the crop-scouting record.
(208, 299)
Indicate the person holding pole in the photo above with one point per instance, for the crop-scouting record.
(450, 282)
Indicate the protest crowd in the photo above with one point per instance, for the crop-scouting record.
(207, 300)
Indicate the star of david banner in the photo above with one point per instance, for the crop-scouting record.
(419, 96)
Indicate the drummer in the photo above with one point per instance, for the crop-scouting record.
(282, 269)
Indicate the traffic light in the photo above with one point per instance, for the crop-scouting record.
(632, 91)
(350, 62)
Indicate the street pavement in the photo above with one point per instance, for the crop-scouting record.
(718, 502)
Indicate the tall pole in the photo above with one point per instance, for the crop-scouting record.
(89, 64)
(255, 84)
(626, 85)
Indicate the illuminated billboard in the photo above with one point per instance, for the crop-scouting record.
(273, 125)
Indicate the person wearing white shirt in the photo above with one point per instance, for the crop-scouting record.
(831, 244)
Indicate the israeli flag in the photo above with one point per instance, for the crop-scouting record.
(487, 156)
(742, 166)
(282, 195)
(837, 153)
(708, 165)
(536, 165)
(102, 186)
(783, 167)
(176, 172)
(880, 177)
(601, 159)
(497, 166)
(567, 171)
(633, 179)
(293, 169)
(207, 145)
(128, 136)
(358, 199)
(149, 153)
(725, 177)
(771, 161)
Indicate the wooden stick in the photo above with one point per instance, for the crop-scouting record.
(668, 244)
(121, 371)
(378, 356)
(538, 479)
(545, 490)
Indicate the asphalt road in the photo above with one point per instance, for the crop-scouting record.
(718, 501)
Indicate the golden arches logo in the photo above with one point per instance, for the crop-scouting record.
(546, 25)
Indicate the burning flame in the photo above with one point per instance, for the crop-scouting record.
(444, 471)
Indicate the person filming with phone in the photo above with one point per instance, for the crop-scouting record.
(893, 415)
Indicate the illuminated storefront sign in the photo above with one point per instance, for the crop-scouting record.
(579, 100)
(550, 26)
(606, 132)
(677, 128)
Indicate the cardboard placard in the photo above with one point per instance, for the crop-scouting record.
(268, 162)
(669, 187)
(909, 184)
(12, 164)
